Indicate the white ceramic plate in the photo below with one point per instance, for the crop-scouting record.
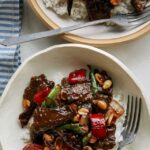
(96, 35)
(56, 62)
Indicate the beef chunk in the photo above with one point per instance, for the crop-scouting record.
(73, 141)
(99, 9)
(48, 118)
(36, 84)
(26, 115)
(109, 141)
(77, 92)
(66, 141)
(139, 5)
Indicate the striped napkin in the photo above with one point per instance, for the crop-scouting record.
(10, 25)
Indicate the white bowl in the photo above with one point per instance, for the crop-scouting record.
(56, 62)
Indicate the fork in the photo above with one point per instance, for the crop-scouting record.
(136, 19)
(132, 121)
(130, 20)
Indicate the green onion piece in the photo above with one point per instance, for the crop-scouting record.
(73, 127)
(51, 98)
(94, 83)
(86, 139)
(55, 92)
(44, 104)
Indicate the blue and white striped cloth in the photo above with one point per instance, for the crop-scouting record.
(10, 25)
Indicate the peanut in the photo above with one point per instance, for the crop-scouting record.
(83, 120)
(110, 119)
(87, 148)
(83, 111)
(76, 118)
(46, 148)
(99, 78)
(49, 138)
(26, 104)
(102, 105)
(107, 84)
(93, 140)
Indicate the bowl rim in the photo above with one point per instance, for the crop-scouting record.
(83, 40)
(90, 48)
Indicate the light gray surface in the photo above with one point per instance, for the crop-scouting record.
(135, 55)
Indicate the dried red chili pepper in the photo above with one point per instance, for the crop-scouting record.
(77, 76)
(41, 95)
(33, 147)
(98, 126)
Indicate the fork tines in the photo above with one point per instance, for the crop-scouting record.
(136, 19)
(133, 114)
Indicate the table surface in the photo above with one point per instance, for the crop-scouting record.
(135, 55)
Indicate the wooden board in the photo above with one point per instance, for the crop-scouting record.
(78, 39)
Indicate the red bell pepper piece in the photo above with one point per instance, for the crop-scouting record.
(40, 96)
(77, 76)
(98, 123)
(33, 147)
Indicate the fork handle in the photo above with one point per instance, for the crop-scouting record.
(39, 35)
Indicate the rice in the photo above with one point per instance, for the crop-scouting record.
(50, 3)
(118, 96)
(78, 11)
(124, 7)
(59, 6)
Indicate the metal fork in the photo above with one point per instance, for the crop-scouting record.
(132, 121)
(136, 19)
(130, 20)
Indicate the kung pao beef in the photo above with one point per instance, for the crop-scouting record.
(78, 114)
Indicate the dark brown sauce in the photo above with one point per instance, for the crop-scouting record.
(36, 84)
(139, 5)
(99, 9)
(109, 141)
(78, 92)
(47, 120)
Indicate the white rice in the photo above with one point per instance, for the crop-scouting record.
(124, 7)
(59, 6)
(119, 124)
(50, 3)
(78, 11)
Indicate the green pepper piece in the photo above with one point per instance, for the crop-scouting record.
(55, 92)
(44, 104)
(94, 83)
(86, 139)
(73, 127)
(51, 98)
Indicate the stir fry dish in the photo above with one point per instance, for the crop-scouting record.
(94, 9)
(78, 114)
